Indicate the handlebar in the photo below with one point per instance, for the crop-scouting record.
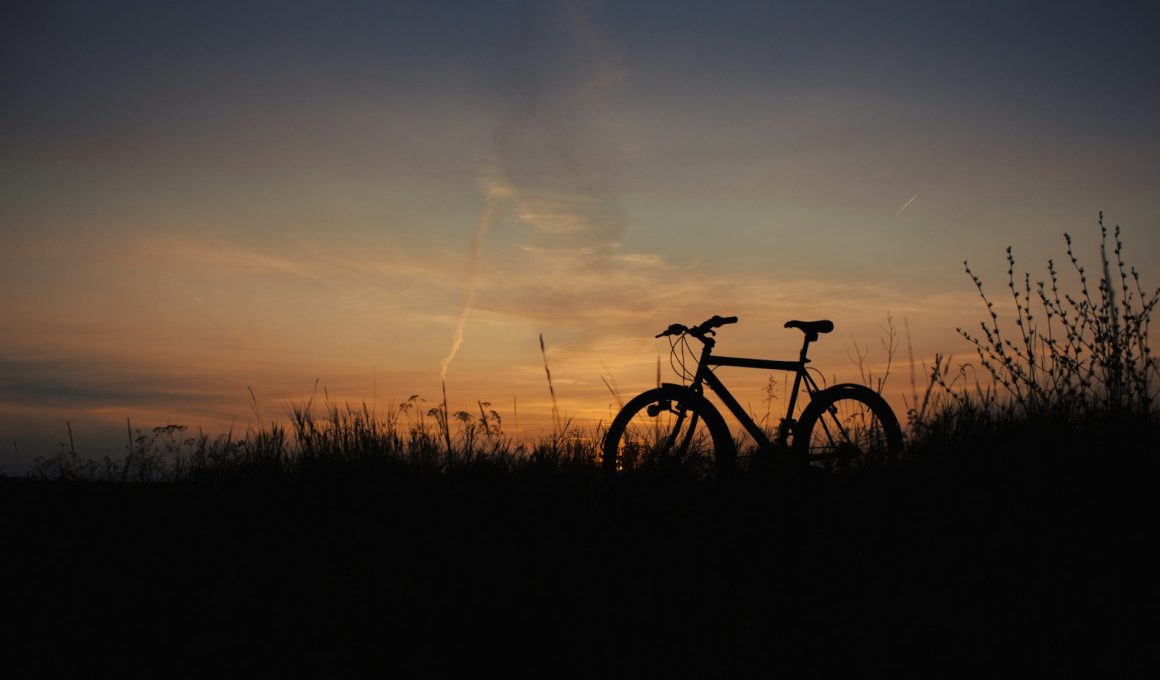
(701, 329)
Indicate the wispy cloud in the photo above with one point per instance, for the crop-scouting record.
(547, 155)
(92, 382)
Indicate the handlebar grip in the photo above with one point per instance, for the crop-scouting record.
(718, 321)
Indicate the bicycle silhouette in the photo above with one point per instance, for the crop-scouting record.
(840, 428)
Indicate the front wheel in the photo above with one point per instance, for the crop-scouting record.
(665, 426)
(847, 427)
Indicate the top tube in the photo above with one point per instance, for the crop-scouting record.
(767, 364)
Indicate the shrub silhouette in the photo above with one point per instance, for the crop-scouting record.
(1088, 354)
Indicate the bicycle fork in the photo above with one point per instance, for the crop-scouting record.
(681, 413)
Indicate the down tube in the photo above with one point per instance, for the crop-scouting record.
(751, 427)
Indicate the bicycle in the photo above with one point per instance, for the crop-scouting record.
(842, 427)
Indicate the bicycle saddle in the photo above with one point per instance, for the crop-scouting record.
(812, 328)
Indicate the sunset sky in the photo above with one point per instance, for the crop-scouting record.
(200, 198)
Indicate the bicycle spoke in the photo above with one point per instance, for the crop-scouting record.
(849, 429)
(651, 432)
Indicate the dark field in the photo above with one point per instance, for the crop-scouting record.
(1022, 551)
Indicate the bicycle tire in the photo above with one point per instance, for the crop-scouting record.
(683, 429)
(845, 428)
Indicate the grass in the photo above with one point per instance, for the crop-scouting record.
(1014, 537)
(315, 437)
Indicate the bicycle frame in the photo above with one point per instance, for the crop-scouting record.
(841, 426)
(706, 376)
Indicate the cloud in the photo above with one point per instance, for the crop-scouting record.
(626, 292)
(546, 156)
(96, 382)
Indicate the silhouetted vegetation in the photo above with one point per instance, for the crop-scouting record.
(1077, 362)
(1015, 536)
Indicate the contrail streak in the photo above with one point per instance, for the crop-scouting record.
(554, 181)
(498, 190)
(496, 194)
(907, 204)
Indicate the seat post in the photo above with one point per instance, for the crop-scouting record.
(805, 348)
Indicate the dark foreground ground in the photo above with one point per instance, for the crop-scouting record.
(1006, 562)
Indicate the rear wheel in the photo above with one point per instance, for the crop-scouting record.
(668, 426)
(846, 428)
